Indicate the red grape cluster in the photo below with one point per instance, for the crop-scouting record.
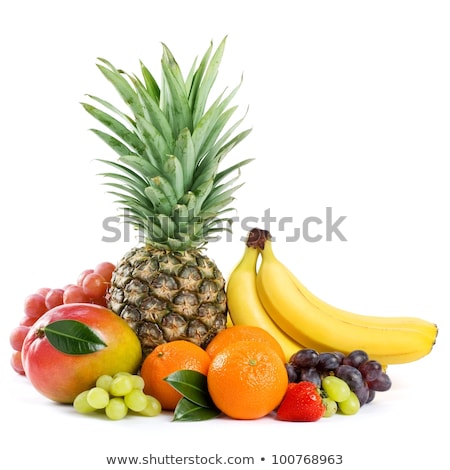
(91, 287)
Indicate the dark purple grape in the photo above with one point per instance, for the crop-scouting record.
(362, 393)
(356, 358)
(380, 384)
(292, 373)
(372, 394)
(310, 375)
(340, 355)
(305, 358)
(328, 361)
(371, 370)
(350, 375)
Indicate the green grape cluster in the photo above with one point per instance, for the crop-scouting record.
(117, 395)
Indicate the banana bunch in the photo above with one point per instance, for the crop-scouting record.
(273, 298)
(244, 304)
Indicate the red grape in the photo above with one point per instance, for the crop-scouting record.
(34, 306)
(54, 298)
(105, 269)
(17, 336)
(27, 321)
(94, 285)
(43, 291)
(82, 275)
(16, 362)
(75, 294)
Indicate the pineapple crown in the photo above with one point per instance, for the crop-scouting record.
(169, 149)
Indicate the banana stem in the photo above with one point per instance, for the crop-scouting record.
(257, 238)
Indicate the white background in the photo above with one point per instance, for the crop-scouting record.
(349, 104)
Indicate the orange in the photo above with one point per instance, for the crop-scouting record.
(236, 333)
(247, 380)
(165, 359)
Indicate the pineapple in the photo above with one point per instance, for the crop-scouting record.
(167, 180)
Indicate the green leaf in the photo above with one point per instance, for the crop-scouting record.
(73, 337)
(187, 410)
(192, 385)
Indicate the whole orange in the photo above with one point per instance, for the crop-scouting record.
(165, 359)
(247, 379)
(236, 333)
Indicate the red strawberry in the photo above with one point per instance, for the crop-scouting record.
(302, 402)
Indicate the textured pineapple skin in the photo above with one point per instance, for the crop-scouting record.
(166, 296)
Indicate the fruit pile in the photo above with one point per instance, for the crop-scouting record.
(91, 287)
(116, 396)
(347, 382)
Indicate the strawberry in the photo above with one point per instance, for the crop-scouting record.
(302, 402)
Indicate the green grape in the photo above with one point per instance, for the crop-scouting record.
(331, 407)
(153, 407)
(116, 409)
(136, 400)
(119, 374)
(350, 406)
(121, 385)
(336, 388)
(138, 382)
(97, 397)
(104, 381)
(81, 404)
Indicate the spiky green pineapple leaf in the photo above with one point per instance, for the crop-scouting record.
(207, 82)
(159, 201)
(154, 143)
(231, 169)
(212, 123)
(141, 165)
(116, 127)
(174, 99)
(116, 78)
(113, 109)
(173, 169)
(225, 137)
(153, 113)
(164, 185)
(151, 85)
(123, 169)
(195, 77)
(113, 143)
(184, 150)
(170, 148)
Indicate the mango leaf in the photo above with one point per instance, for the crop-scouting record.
(187, 410)
(73, 337)
(192, 385)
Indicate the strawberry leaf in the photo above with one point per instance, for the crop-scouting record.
(73, 337)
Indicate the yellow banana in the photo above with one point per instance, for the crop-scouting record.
(244, 306)
(414, 323)
(314, 327)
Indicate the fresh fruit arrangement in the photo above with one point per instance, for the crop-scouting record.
(163, 330)
(116, 396)
(274, 298)
(91, 287)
